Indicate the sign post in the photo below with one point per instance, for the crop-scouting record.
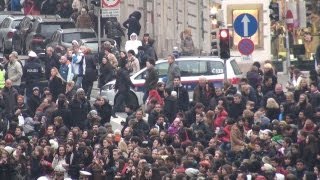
(245, 25)
(110, 8)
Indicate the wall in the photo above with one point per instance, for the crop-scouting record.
(165, 19)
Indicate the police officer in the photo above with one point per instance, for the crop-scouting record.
(32, 73)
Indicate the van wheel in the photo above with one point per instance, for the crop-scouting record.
(132, 100)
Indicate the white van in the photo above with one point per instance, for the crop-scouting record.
(191, 68)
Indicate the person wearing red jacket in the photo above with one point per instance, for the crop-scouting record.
(220, 116)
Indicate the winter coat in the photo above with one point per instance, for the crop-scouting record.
(272, 113)
(7, 172)
(51, 62)
(66, 115)
(84, 21)
(134, 65)
(79, 110)
(32, 71)
(280, 98)
(182, 98)
(220, 118)
(14, 72)
(113, 29)
(61, 133)
(132, 23)
(173, 71)
(133, 44)
(104, 112)
(236, 139)
(48, 7)
(107, 72)
(140, 129)
(91, 71)
(56, 87)
(74, 160)
(10, 99)
(170, 108)
(254, 78)
(172, 130)
(123, 81)
(35, 168)
(151, 80)
(78, 64)
(33, 104)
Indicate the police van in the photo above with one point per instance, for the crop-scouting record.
(191, 69)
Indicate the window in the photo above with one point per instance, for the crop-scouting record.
(193, 68)
(235, 67)
(4, 23)
(69, 37)
(216, 67)
(15, 23)
(162, 69)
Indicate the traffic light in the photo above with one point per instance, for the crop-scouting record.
(96, 3)
(309, 9)
(274, 11)
(214, 43)
(224, 44)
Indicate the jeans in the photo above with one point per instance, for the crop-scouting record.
(79, 82)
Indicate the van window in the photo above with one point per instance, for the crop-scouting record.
(162, 69)
(235, 67)
(216, 67)
(193, 68)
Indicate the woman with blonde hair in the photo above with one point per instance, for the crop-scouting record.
(123, 147)
(56, 83)
(301, 88)
(272, 109)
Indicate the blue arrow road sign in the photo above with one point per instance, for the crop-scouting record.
(245, 25)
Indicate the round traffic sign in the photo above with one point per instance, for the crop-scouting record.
(246, 47)
(245, 25)
(110, 3)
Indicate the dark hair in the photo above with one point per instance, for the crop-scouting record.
(152, 61)
(131, 52)
(168, 90)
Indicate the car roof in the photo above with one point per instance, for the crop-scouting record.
(198, 58)
(56, 20)
(95, 39)
(11, 12)
(15, 17)
(64, 31)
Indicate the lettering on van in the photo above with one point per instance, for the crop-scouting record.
(217, 71)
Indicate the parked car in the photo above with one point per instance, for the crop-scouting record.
(7, 29)
(4, 14)
(191, 69)
(92, 43)
(33, 31)
(64, 37)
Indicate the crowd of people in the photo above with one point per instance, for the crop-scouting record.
(258, 129)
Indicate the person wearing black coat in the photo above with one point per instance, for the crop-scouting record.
(91, 73)
(182, 95)
(80, 107)
(106, 72)
(34, 101)
(104, 109)
(123, 84)
(51, 60)
(132, 23)
(170, 108)
(56, 84)
(63, 112)
(32, 73)
(152, 78)
(7, 171)
(74, 161)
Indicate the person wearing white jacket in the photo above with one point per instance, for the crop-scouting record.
(78, 66)
(133, 43)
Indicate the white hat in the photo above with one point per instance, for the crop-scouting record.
(191, 172)
(75, 42)
(54, 144)
(9, 149)
(85, 173)
(32, 54)
(43, 178)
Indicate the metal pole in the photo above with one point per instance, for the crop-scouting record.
(225, 69)
(287, 43)
(99, 30)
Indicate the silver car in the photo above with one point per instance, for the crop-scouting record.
(7, 28)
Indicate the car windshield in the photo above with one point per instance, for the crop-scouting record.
(69, 37)
(47, 29)
(15, 23)
(92, 45)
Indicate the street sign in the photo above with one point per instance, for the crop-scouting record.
(245, 25)
(246, 46)
(110, 3)
(110, 8)
(289, 20)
